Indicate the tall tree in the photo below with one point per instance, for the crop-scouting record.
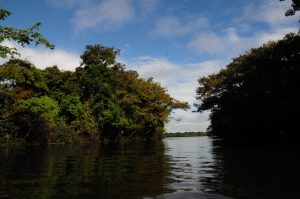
(255, 96)
(100, 98)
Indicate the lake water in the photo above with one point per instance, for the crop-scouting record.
(196, 167)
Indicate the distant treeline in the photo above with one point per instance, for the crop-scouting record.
(185, 134)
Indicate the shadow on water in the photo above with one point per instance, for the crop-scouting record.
(84, 171)
(254, 172)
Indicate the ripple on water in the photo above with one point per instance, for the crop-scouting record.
(190, 195)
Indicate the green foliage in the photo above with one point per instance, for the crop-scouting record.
(62, 133)
(22, 36)
(256, 93)
(98, 85)
(23, 77)
(100, 100)
(78, 115)
(60, 83)
(99, 55)
(44, 107)
(145, 103)
(7, 128)
(120, 100)
(37, 116)
(19, 80)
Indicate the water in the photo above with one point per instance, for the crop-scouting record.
(197, 167)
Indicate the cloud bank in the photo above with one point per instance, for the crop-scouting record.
(43, 58)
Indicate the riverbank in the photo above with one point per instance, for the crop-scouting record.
(185, 134)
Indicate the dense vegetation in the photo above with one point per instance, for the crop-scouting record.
(185, 134)
(256, 95)
(99, 97)
(99, 100)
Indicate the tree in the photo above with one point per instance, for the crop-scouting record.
(100, 98)
(98, 84)
(36, 117)
(146, 104)
(295, 7)
(21, 36)
(7, 127)
(19, 80)
(255, 96)
(121, 101)
(60, 83)
(99, 55)
(78, 115)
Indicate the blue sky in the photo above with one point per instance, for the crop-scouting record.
(174, 41)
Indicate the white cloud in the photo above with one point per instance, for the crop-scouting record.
(275, 35)
(186, 121)
(168, 73)
(43, 58)
(271, 12)
(169, 26)
(231, 44)
(207, 42)
(181, 82)
(104, 15)
(243, 43)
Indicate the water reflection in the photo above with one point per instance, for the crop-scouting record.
(57, 171)
(255, 172)
(175, 168)
(203, 165)
(191, 159)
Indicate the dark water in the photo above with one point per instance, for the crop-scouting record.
(197, 167)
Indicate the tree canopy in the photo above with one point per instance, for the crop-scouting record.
(256, 95)
(100, 100)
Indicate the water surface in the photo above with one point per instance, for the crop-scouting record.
(197, 167)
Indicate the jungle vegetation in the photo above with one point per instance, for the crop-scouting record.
(99, 100)
(257, 95)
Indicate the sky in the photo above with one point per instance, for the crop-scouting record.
(174, 41)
